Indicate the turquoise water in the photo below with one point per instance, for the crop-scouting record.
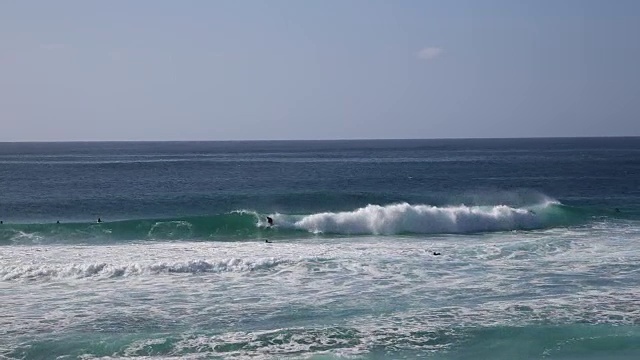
(538, 242)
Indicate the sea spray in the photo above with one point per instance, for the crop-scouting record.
(421, 219)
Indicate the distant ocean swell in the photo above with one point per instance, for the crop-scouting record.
(402, 218)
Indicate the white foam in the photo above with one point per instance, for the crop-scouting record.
(421, 219)
(390, 292)
(23, 237)
(105, 270)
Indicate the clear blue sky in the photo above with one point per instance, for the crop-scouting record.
(325, 69)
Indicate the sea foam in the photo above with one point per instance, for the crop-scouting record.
(106, 270)
(419, 219)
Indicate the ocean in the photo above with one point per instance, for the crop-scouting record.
(380, 249)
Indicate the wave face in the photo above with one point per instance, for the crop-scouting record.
(231, 225)
(402, 218)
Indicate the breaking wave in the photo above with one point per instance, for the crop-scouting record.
(402, 218)
(425, 219)
(105, 270)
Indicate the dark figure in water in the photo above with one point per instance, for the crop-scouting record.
(58, 222)
(268, 241)
(270, 221)
(99, 220)
(1, 222)
(617, 210)
(435, 253)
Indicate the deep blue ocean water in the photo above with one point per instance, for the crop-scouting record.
(538, 242)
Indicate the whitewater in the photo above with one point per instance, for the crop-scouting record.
(440, 249)
(392, 219)
(355, 297)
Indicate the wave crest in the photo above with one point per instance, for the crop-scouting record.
(421, 219)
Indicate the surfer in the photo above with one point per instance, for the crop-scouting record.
(58, 222)
(617, 210)
(99, 220)
(435, 253)
(268, 241)
(270, 221)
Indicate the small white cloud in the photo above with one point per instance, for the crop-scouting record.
(53, 46)
(430, 53)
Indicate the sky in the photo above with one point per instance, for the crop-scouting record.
(324, 69)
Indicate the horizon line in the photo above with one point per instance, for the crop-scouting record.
(325, 140)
